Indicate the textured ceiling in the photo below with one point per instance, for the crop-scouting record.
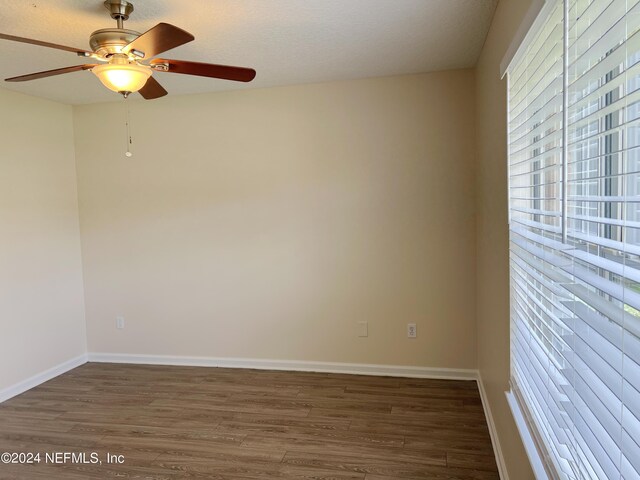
(285, 41)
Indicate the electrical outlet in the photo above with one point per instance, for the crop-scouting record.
(412, 331)
(363, 329)
(119, 322)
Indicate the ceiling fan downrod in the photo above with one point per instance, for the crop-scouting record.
(119, 10)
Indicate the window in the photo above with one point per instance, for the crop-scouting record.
(574, 216)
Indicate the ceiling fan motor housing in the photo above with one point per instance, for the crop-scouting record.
(109, 41)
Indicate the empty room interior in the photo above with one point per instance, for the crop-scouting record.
(320, 239)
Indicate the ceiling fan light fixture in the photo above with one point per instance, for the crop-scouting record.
(122, 76)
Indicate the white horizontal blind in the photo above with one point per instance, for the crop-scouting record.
(574, 199)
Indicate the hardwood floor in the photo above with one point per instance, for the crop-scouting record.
(214, 423)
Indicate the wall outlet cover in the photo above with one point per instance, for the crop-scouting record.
(412, 331)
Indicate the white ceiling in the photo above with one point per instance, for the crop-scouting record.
(285, 41)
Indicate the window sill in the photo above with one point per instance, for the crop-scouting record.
(537, 464)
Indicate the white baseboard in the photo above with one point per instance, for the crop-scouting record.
(34, 381)
(493, 433)
(289, 365)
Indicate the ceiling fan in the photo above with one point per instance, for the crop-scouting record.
(129, 56)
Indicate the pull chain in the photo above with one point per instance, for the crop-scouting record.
(127, 121)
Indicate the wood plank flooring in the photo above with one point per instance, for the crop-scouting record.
(223, 424)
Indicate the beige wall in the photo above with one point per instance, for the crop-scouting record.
(266, 223)
(41, 297)
(492, 232)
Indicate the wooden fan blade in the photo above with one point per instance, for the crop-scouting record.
(49, 73)
(79, 51)
(152, 89)
(225, 72)
(160, 38)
